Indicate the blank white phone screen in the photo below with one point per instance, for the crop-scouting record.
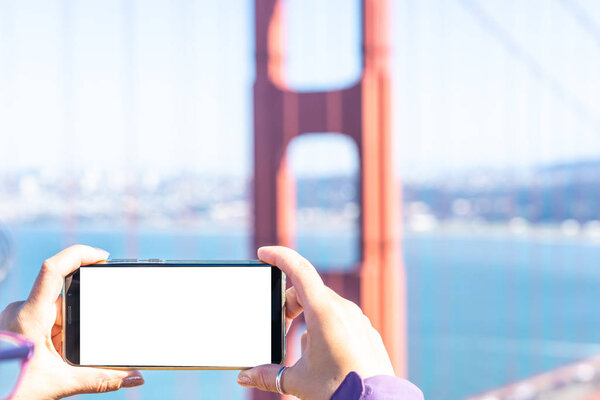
(175, 316)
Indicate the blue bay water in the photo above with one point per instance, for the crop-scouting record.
(482, 310)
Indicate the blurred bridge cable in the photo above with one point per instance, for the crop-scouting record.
(5, 252)
(130, 129)
(488, 24)
(582, 18)
(67, 80)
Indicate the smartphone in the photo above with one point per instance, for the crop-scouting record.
(167, 314)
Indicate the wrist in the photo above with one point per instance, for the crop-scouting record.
(354, 387)
(351, 388)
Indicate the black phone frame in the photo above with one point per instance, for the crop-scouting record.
(71, 311)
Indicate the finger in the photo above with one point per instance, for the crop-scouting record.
(303, 342)
(308, 284)
(58, 319)
(293, 308)
(93, 380)
(49, 281)
(263, 377)
(56, 332)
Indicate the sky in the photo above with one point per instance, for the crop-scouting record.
(167, 85)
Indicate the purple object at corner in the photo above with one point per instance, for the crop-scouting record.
(23, 351)
(380, 387)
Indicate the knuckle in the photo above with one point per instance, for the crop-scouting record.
(338, 318)
(304, 268)
(326, 305)
(345, 315)
(10, 318)
(79, 247)
(262, 381)
(308, 267)
(101, 386)
(305, 265)
(14, 306)
(106, 385)
(48, 266)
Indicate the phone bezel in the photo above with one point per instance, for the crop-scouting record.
(70, 306)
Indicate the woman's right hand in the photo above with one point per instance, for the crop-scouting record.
(339, 338)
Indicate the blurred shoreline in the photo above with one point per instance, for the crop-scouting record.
(331, 226)
(537, 205)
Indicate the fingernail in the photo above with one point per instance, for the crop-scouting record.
(132, 381)
(244, 380)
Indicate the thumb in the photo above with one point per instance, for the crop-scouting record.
(94, 380)
(263, 377)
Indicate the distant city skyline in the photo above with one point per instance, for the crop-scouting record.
(168, 86)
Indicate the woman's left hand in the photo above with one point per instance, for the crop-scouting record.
(39, 319)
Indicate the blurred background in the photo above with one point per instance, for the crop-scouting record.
(128, 125)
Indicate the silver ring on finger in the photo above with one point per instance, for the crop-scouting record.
(278, 381)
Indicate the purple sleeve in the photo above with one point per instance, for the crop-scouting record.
(380, 387)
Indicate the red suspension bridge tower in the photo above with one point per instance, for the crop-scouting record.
(362, 112)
